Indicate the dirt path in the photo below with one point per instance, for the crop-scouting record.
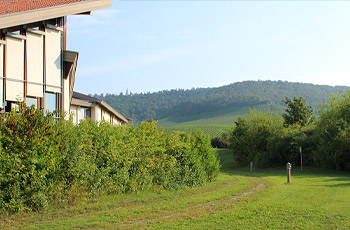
(146, 211)
(197, 209)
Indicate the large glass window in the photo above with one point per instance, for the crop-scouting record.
(50, 102)
(32, 101)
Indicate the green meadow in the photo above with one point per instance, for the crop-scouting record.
(235, 200)
(211, 130)
(213, 124)
(227, 117)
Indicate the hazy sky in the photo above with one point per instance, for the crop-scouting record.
(155, 45)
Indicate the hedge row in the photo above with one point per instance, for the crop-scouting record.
(45, 161)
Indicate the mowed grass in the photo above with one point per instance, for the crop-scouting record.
(236, 200)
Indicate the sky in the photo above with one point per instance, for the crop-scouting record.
(149, 46)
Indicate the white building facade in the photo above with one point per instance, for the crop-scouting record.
(35, 66)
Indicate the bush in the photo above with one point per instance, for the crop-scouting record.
(333, 133)
(252, 137)
(44, 161)
(221, 141)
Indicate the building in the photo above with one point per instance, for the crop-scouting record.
(35, 66)
(84, 106)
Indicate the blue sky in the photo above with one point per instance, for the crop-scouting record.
(155, 45)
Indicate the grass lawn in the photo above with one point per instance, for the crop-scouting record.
(314, 200)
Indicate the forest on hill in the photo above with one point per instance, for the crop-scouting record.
(181, 103)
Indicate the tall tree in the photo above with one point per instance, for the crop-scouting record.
(297, 112)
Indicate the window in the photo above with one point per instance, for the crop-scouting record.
(85, 113)
(32, 101)
(88, 113)
(35, 64)
(11, 106)
(50, 102)
(82, 113)
(14, 66)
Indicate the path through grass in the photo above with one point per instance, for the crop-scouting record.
(314, 200)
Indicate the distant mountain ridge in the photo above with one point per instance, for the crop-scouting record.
(182, 103)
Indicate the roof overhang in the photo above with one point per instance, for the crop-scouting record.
(70, 56)
(26, 17)
(110, 109)
(82, 103)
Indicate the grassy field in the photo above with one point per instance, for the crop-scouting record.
(221, 117)
(314, 200)
(212, 130)
(213, 124)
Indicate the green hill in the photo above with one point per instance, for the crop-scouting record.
(219, 106)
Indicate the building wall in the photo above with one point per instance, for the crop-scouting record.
(106, 116)
(74, 114)
(97, 114)
(66, 98)
(2, 47)
(30, 66)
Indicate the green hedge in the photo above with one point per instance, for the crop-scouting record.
(44, 161)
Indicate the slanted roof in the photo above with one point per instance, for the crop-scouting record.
(16, 6)
(80, 99)
(20, 12)
(84, 97)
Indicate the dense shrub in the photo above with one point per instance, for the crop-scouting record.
(45, 161)
(261, 138)
(252, 135)
(333, 133)
(220, 141)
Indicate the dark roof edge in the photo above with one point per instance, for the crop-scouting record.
(86, 97)
(100, 102)
(25, 17)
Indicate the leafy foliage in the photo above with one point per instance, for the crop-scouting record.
(262, 138)
(297, 112)
(252, 138)
(333, 133)
(220, 141)
(44, 161)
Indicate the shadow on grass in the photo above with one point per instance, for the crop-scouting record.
(339, 185)
(340, 179)
(230, 167)
(282, 172)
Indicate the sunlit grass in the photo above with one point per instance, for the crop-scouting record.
(211, 130)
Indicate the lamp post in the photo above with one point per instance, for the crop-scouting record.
(301, 159)
(289, 168)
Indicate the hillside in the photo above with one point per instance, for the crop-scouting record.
(215, 106)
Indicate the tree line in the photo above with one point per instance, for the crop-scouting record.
(179, 102)
(270, 139)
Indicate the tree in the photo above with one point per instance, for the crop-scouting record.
(297, 112)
